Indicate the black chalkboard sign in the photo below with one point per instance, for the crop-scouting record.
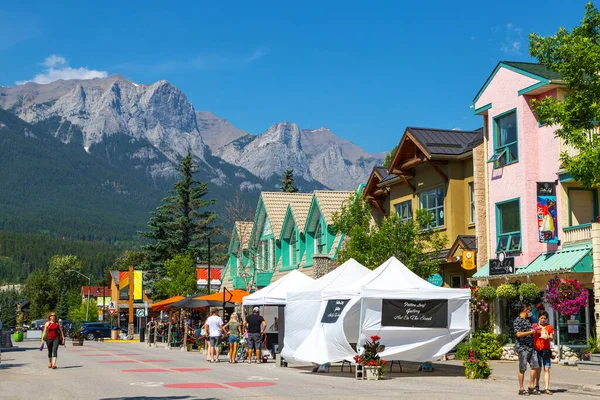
(333, 310)
(414, 313)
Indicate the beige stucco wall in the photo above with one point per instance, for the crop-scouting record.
(480, 178)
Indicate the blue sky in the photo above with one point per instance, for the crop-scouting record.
(365, 70)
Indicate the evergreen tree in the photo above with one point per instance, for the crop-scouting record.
(288, 182)
(182, 224)
(62, 309)
(389, 156)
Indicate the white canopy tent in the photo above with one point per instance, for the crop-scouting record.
(303, 305)
(276, 292)
(416, 320)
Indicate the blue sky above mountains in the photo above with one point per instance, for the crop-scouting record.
(365, 70)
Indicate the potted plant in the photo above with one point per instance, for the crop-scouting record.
(507, 291)
(478, 304)
(77, 338)
(476, 367)
(373, 366)
(488, 293)
(18, 335)
(593, 347)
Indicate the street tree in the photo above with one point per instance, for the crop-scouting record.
(372, 242)
(59, 268)
(41, 293)
(180, 279)
(182, 223)
(288, 182)
(576, 56)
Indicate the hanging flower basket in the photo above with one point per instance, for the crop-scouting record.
(507, 291)
(529, 291)
(566, 296)
(488, 293)
(478, 304)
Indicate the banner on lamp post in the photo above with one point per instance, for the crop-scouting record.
(547, 215)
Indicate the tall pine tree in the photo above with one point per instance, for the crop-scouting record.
(288, 182)
(182, 224)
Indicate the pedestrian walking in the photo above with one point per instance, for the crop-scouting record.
(524, 347)
(256, 325)
(233, 328)
(54, 336)
(213, 328)
(544, 334)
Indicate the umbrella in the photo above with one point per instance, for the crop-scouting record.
(194, 302)
(163, 304)
(233, 296)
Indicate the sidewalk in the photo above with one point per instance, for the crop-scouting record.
(561, 377)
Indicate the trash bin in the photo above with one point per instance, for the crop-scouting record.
(142, 334)
(114, 334)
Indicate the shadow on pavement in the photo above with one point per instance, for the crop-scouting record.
(408, 369)
(71, 366)
(159, 397)
(8, 366)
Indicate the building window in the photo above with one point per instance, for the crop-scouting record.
(265, 261)
(404, 211)
(433, 202)
(456, 281)
(472, 201)
(293, 250)
(506, 149)
(508, 227)
(583, 206)
(319, 240)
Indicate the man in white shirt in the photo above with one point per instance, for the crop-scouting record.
(213, 328)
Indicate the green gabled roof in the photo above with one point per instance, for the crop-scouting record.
(535, 69)
(575, 258)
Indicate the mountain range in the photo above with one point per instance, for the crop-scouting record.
(112, 143)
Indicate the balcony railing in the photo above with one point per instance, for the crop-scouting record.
(577, 233)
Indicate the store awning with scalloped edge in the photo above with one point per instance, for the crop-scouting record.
(573, 258)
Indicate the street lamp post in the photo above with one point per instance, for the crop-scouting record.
(87, 310)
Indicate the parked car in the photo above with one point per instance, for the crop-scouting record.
(93, 330)
(38, 324)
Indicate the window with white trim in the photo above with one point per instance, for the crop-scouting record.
(506, 146)
(433, 202)
(508, 221)
(293, 250)
(319, 239)
(472, 202)
(404, 210)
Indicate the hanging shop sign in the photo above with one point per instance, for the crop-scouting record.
(435, 279)
(546, 212)
(414, 313)
(468, 259)
(502, 265)
(333, 310)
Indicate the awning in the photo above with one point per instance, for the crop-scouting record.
(574, 258)
(160, 305)
(231, 296)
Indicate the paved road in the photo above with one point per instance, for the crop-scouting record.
(133, 371)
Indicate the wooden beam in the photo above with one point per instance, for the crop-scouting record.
(411, 163)
(440, 172)
(379, 192)
(376, 205)
(408, 183)
(407, 175)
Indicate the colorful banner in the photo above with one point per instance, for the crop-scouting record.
(123, 285)
(547, 214)
(137, 285)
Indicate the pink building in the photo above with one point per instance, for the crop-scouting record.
(519, 152)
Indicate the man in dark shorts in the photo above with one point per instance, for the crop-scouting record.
(256, 325)
(524, 347)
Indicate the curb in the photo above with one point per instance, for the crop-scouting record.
(120, 341)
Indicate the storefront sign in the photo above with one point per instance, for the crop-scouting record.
(333, 310)
(546, 212)
(468, 259)
(414, 313)
(502, 266)
(435, 279)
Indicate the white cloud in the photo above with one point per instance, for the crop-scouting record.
(513, 40)
(57, 67)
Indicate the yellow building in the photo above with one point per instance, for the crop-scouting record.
(432, 169)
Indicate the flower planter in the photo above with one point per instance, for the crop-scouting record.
(18, 336)
(77, 342)
(371, 373)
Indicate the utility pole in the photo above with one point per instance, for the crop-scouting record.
(208, 265)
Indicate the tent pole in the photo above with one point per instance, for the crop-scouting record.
(358, 344)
